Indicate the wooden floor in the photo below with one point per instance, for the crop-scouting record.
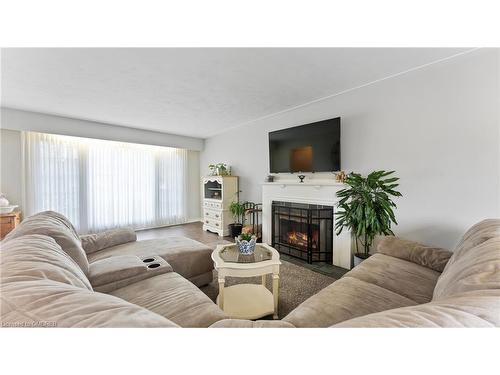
(190, 230)
(196, 232)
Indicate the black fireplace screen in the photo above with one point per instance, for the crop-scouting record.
(303, 231)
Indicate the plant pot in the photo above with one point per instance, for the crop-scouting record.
(235, 229)
(359, 257)
(246, 247)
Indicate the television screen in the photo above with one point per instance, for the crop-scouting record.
(313, 147)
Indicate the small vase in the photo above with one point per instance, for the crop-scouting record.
(246, 247)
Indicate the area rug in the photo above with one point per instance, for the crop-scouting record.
(296, 285)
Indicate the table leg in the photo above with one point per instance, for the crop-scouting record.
(221, 293)
(264, 280)
(276, 280)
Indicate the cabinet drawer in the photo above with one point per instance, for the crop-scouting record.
(217, 224)
(9, 220)
(6, 228)
(215, 205)
(212, 214)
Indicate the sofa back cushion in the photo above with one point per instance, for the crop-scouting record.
(475, 264)
(37, 257)
(58, 227)
(476, 235)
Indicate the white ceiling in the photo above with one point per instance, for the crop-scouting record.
(196, 92)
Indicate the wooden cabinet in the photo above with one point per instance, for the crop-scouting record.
(8, 222)
(218, 193)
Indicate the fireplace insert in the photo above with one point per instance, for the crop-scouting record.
(303, 231)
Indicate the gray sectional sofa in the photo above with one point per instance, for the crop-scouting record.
(52, 277)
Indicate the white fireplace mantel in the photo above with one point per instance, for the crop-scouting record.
(311, 192)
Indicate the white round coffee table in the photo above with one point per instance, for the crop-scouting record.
(247, 301)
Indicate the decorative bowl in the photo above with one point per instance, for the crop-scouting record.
(246, 247)
(7, 209)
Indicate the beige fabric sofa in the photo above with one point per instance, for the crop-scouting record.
(410, 285)
(49, 277)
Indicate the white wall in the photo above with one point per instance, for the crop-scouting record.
(24, 120)
(438, 127)
(11, 173)
(10, 165)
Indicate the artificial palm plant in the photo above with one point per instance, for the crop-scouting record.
(366, 208)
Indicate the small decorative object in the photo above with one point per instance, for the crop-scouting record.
(3, 200)
(5, 206)
(270, 178)
(246, 243)
(301, 177)
(220, 169)
(340, 176)
(366, 208)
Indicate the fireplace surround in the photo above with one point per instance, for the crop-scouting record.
(303, 231)
(313, 191)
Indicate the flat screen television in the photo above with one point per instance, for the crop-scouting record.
(312, 147)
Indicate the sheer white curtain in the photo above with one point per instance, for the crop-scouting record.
(104, 184)
(52, 178)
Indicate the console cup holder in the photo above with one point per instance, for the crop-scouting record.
(154, 265)
(148, 260)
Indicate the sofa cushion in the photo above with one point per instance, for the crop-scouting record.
(47, 303)
(175, 298)
(98, 241)
(399, 276)
(477, 268)
(476, 235)
(344, 299)
(38, 257)
(470, 309)
(58, 227)
(431, 257)
(187, 257)
(116, 272)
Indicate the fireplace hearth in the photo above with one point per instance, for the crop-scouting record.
(303, 231)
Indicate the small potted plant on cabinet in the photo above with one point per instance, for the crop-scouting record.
(238, 211)
(219, 169)
(366, 209)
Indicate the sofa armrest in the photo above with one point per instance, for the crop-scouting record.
(108, 274)
(434, 258)
(98, 241)
(243, 323)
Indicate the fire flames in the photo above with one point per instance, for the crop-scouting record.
(300, 239)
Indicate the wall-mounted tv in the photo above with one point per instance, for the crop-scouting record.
(312, 147)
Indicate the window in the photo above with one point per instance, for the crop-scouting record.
(103, 184)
